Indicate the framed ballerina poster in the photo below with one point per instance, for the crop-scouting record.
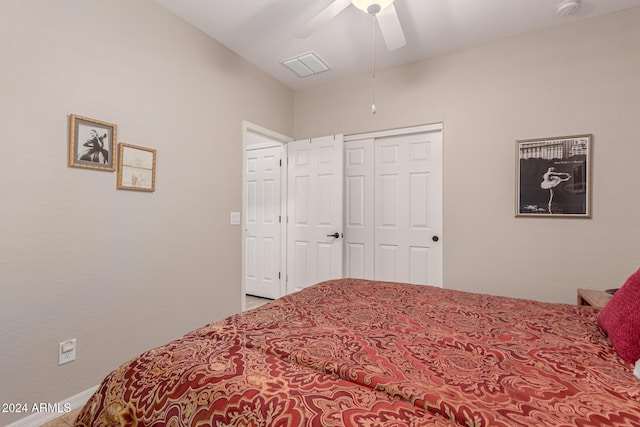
(92, 143)
(553, 177)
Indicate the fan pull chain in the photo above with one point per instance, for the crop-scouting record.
(373, 62)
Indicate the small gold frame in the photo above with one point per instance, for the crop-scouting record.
(92, 143)
(136, 168)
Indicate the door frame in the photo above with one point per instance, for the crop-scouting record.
(267, 138)
(434, 127)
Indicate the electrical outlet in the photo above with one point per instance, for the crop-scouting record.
(67, 351)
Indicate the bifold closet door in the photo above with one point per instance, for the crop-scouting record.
(393, 213)
(314, 223)
(359, 226)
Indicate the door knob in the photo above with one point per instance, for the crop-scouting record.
(334, 235)
(435, 238)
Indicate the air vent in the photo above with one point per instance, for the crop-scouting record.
(306, 64)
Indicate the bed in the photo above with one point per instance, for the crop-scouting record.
(353, 352)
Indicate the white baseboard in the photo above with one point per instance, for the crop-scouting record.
(38, 418)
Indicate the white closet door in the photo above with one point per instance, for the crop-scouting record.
(359, 209)
(262, 222)
(408, 208)
(315, 180)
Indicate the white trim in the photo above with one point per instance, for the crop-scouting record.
(251, 127)
(39, 418)
(263, 145)
(394, 132)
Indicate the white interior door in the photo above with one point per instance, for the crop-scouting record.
(359, 228)
(315, 180)
(407, 222)
(263, 222)
(393, 217)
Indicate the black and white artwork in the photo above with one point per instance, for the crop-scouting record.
(553, 177)
(91, 143)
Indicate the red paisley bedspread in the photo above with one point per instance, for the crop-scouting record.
(360, 353)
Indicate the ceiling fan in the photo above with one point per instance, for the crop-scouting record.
(383, 10)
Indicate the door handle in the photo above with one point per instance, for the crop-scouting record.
(335, 235)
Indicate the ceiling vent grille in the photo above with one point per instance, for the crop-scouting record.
(306, 64)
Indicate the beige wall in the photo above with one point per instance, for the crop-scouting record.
(582, 78)
(120, 271)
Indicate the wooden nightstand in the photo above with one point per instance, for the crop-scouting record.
(597, 299)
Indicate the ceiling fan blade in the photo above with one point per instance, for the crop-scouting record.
(390, 28)
(326, 15)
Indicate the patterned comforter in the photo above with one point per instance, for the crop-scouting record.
(361, 353)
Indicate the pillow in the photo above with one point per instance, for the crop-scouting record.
(620, 319)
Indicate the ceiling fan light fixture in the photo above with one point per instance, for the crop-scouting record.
(371, 6)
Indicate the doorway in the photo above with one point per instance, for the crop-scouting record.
(263, 204)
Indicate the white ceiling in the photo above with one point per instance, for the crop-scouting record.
(261, 31)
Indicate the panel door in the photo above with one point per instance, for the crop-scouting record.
(315, 179)
(359, 231)
(262, 222)
(408, 208)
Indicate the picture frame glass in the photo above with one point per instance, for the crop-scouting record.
(553, 177)
(96, 143)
